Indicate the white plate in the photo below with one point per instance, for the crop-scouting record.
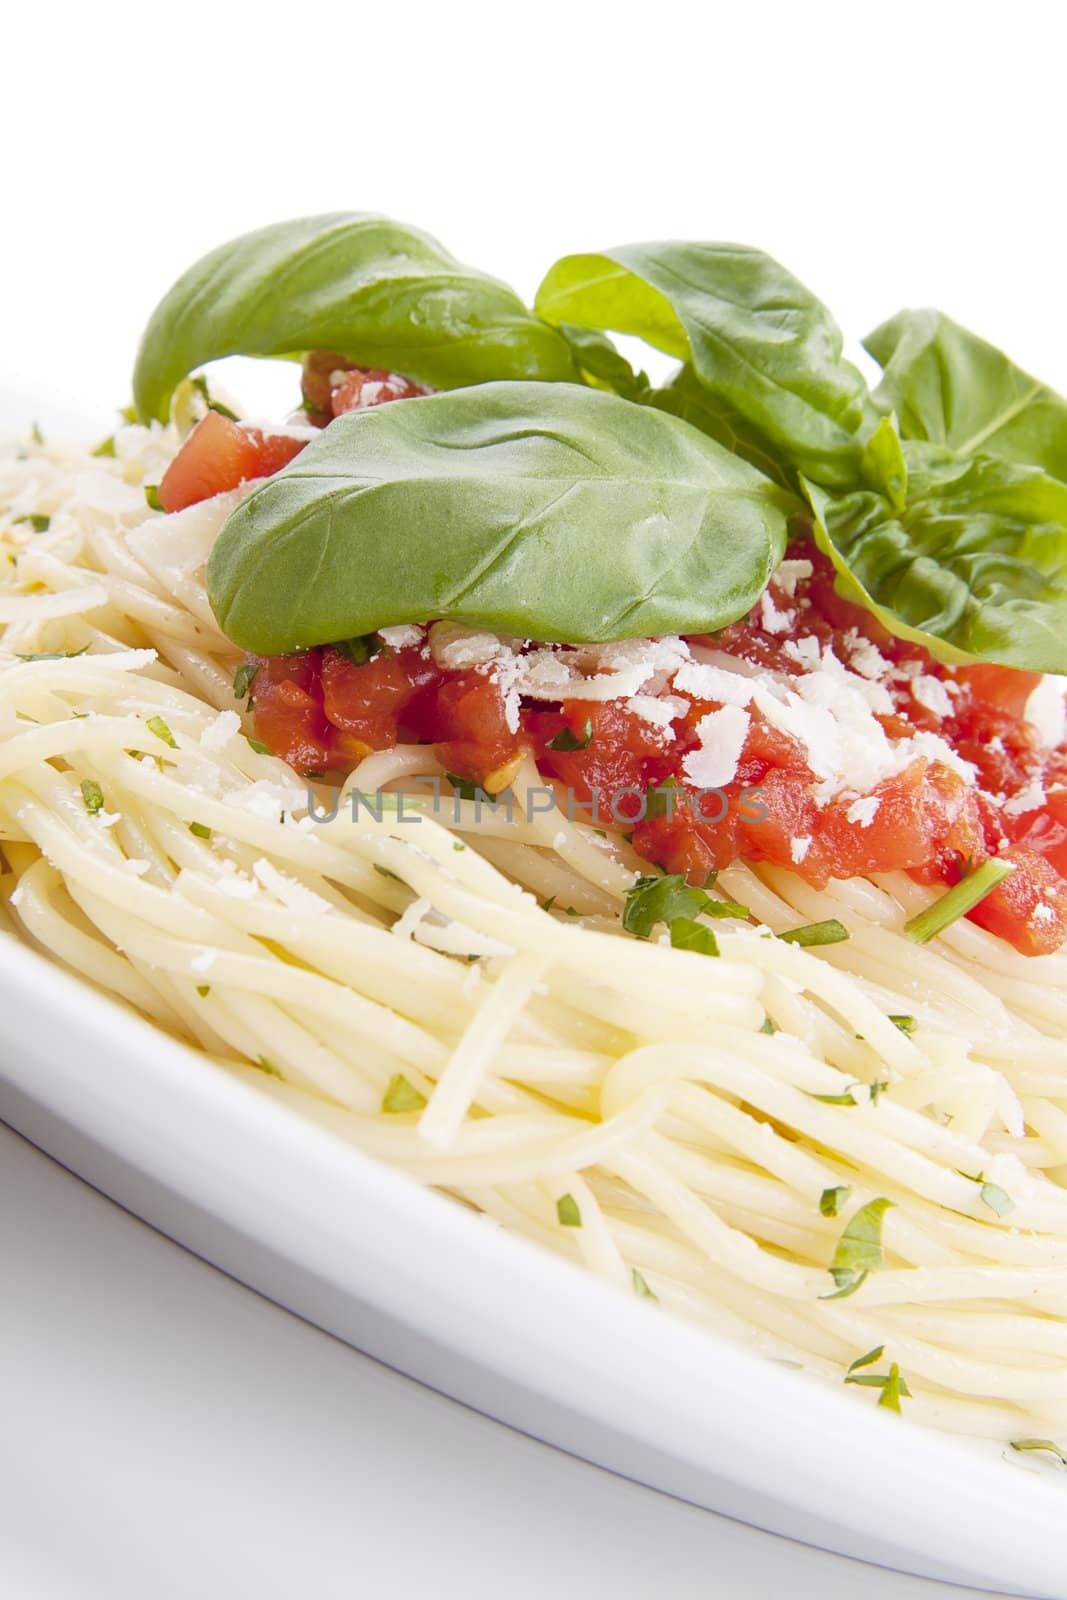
(430, 1289)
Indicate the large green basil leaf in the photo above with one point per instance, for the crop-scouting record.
(603, 365)
(685, 396)
(550, 511)
(973, 566)
(955, 390)
(379, 292)
(756, 339)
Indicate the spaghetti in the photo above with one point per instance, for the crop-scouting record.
(714, 1135)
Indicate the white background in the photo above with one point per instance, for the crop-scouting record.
(890, 155)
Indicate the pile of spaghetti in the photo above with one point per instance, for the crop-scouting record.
(852, 1156)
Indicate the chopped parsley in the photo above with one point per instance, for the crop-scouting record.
(243, 679)
(567, 1211)
(203, 989)
(37, 521)
(200, 829)
(891, 1383)
(1041, 1444)
(361, 649)
(767, 1026)
(258, 746)
(93, 796)
(567, 740)
(641, 1288)
(465, 789)
(905, 1024)
(401, 1095)
(151, 494)
(847, 1098)
(55, 655)
(199, 383)
(815, 933)
(268, 1067)
(106, 447)
(157, 726)
(830, 1203)
(457, 844)
(667, 898)
(970, 890)
(689, 935)
(859, 1250)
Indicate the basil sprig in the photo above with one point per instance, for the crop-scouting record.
(759, 343)
(551, 511)
(379, 292)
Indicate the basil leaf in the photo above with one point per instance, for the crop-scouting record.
(685, 396)
(859, 1249)
(602, 365)
(974, 567)
(550, 511)
(756, 338)
(689, 935)
(565, 740)
(830, 1203)
(953, 389)
(378, 292)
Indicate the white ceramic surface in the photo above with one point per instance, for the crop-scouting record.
(433, 1291)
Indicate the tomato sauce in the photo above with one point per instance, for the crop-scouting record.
(324, 709)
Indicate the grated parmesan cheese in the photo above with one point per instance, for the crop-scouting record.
(722, 736)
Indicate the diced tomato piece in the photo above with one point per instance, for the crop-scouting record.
(317, 383)
(368, 701)
(219, 455)
(1029, 909)
(789, 814)
(359, 389)
(289, 713)
(616, 756)
(473, 737)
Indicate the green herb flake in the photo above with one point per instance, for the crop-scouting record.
(1041, 1444)
(641, 1288)
(35, 433)
(831, 1201)
(465, 789)
(267, 1065)
(815, 933)
(93, 796)
(868, 1360)
(203, 989)
(201, 831)
(689, 935)
(958, 901)
(997, 1199)
(457, 844)
(661, 898)
(567, 1211)
(55, 655)
(363, 648)
(546, 905)
(846, 1098)
(401, 1095)
(768, 1026)
(243, 679)
(151, 494)
(258, 746)
(859, 1250)
(36, 520)
(157, 726)
(876, 1090)
(566, 740)
(200, 385)
(893, 1390)
(106, 447)
(905, 1024)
